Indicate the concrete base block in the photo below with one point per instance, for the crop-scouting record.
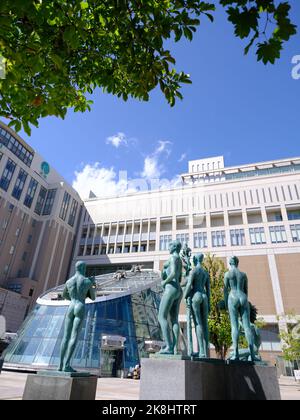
(186, 380)
(252, 382)
(181, 380)
(60, 388)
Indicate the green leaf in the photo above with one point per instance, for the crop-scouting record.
(84, 5)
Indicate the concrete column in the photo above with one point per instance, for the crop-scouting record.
(37, 251)
(157, 234)
(47, 278)
(276, 285)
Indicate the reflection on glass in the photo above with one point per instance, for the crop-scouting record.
(132, 317)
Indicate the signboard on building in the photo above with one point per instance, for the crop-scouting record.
(45, 169)
(297, 375)
(2, 327)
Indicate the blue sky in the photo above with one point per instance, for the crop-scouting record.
(235, 107)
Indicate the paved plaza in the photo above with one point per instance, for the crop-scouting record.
(12, 386)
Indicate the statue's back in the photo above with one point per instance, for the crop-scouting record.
(78, 287)
(237, 280)
(201, 278)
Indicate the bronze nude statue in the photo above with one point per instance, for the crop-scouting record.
(77, 290)
(171, 299)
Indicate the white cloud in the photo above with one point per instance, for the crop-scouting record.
(182, 157)
(153, 169)
(101, 181)
(163, 147)
(117, 140)
(106, 182)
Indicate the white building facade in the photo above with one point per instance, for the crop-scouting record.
(251, 211)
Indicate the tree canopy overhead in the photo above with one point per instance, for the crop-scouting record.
(57, 52)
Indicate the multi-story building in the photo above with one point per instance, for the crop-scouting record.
(251, 211)
(39, 214)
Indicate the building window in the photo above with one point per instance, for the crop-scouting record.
(49, 202)
(7, 175)
(165, 241)
(104, 250)
(96, 250)
(81, 251)
(135, 248)
(184, 238)
(73, 213)
(126, 249)
(218, 239)
(294, 214)
(278, 234)
(88, 251)
(16, 147)
(33, 184)
(295, 233)
(200, 240)
(237, 237)
(29, 239)
(65, 206)
(143, 248)
(258, 236)
(19, 186)
(40, 201)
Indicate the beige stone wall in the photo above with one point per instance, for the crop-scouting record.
(13, 307)
(260, 285)
(288, 266)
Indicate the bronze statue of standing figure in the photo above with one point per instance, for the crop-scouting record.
(236, 301)
(171, 299)
(77, 290)
(197, 292)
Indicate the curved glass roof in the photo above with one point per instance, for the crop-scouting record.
(109, 286)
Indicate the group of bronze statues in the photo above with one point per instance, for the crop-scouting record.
(181, 279)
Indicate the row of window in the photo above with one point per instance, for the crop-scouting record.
(12, 144)
(65, 209)
(220, 176)
(46, 198)
(237, 237)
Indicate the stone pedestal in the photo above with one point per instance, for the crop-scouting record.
(60, 387)
(246, 381)
(185, 380)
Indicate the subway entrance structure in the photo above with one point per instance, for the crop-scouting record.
(119, 328)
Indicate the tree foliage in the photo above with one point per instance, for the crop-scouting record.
(57, 52)
(264, 22)
(219, 321)
(291, 338)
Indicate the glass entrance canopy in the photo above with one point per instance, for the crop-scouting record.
(126, 308)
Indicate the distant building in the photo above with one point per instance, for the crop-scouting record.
(39, 213)
(252, 211)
